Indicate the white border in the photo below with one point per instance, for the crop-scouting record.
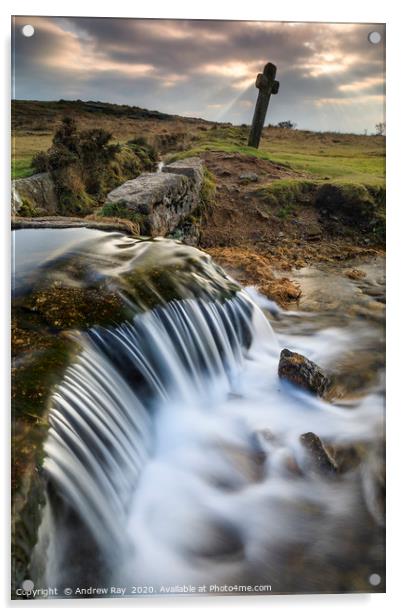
(285, 10)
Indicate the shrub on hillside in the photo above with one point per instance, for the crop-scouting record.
(287, 124)
(85, 165)
(145, 152)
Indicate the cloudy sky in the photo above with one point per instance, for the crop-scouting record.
(331, 77)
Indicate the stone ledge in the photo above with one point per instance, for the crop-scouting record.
(68, 222)
(162, 200)
(191, 167)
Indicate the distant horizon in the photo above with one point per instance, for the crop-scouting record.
(331, 77)
(267, 125)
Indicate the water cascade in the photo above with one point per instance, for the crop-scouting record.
(174, 457)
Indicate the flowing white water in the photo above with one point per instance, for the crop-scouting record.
(176, 447)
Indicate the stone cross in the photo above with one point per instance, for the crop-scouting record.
(267, 85)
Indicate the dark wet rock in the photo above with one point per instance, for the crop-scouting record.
(26, 519)
(302, 372)
(188, 232)
(319, 457)
(292, 466)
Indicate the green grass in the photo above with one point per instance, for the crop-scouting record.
(120, 210)
(287, 192)
(21, 168)
(352, 166)
(355, 167)
(208, 188)
(301, 191)
(320, 156)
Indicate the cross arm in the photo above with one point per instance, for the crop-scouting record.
(275, 87)
(262, 83)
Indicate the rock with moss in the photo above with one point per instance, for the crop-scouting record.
(159, 202)
(34, 195)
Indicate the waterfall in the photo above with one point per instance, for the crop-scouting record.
(102, 413)
(174, 457)
(174, 453)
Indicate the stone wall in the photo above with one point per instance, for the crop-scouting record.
(161, 201)
(34, 196)
(158, 202)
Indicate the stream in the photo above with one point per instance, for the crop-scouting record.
(173, 454)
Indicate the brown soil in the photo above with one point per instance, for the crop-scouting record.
(251, 268)
(249, 238)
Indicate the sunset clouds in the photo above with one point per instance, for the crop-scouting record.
(331, 76)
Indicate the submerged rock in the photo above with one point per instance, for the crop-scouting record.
(347, 457)
(216, 540)
(373, 479)
(319, 457)
(303, 372)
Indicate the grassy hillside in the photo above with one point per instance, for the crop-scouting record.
(34, 122)
(321, 156)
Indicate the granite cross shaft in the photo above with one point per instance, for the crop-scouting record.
(267, 85)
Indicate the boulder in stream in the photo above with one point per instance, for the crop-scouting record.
(302, 372)
(319, 457)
